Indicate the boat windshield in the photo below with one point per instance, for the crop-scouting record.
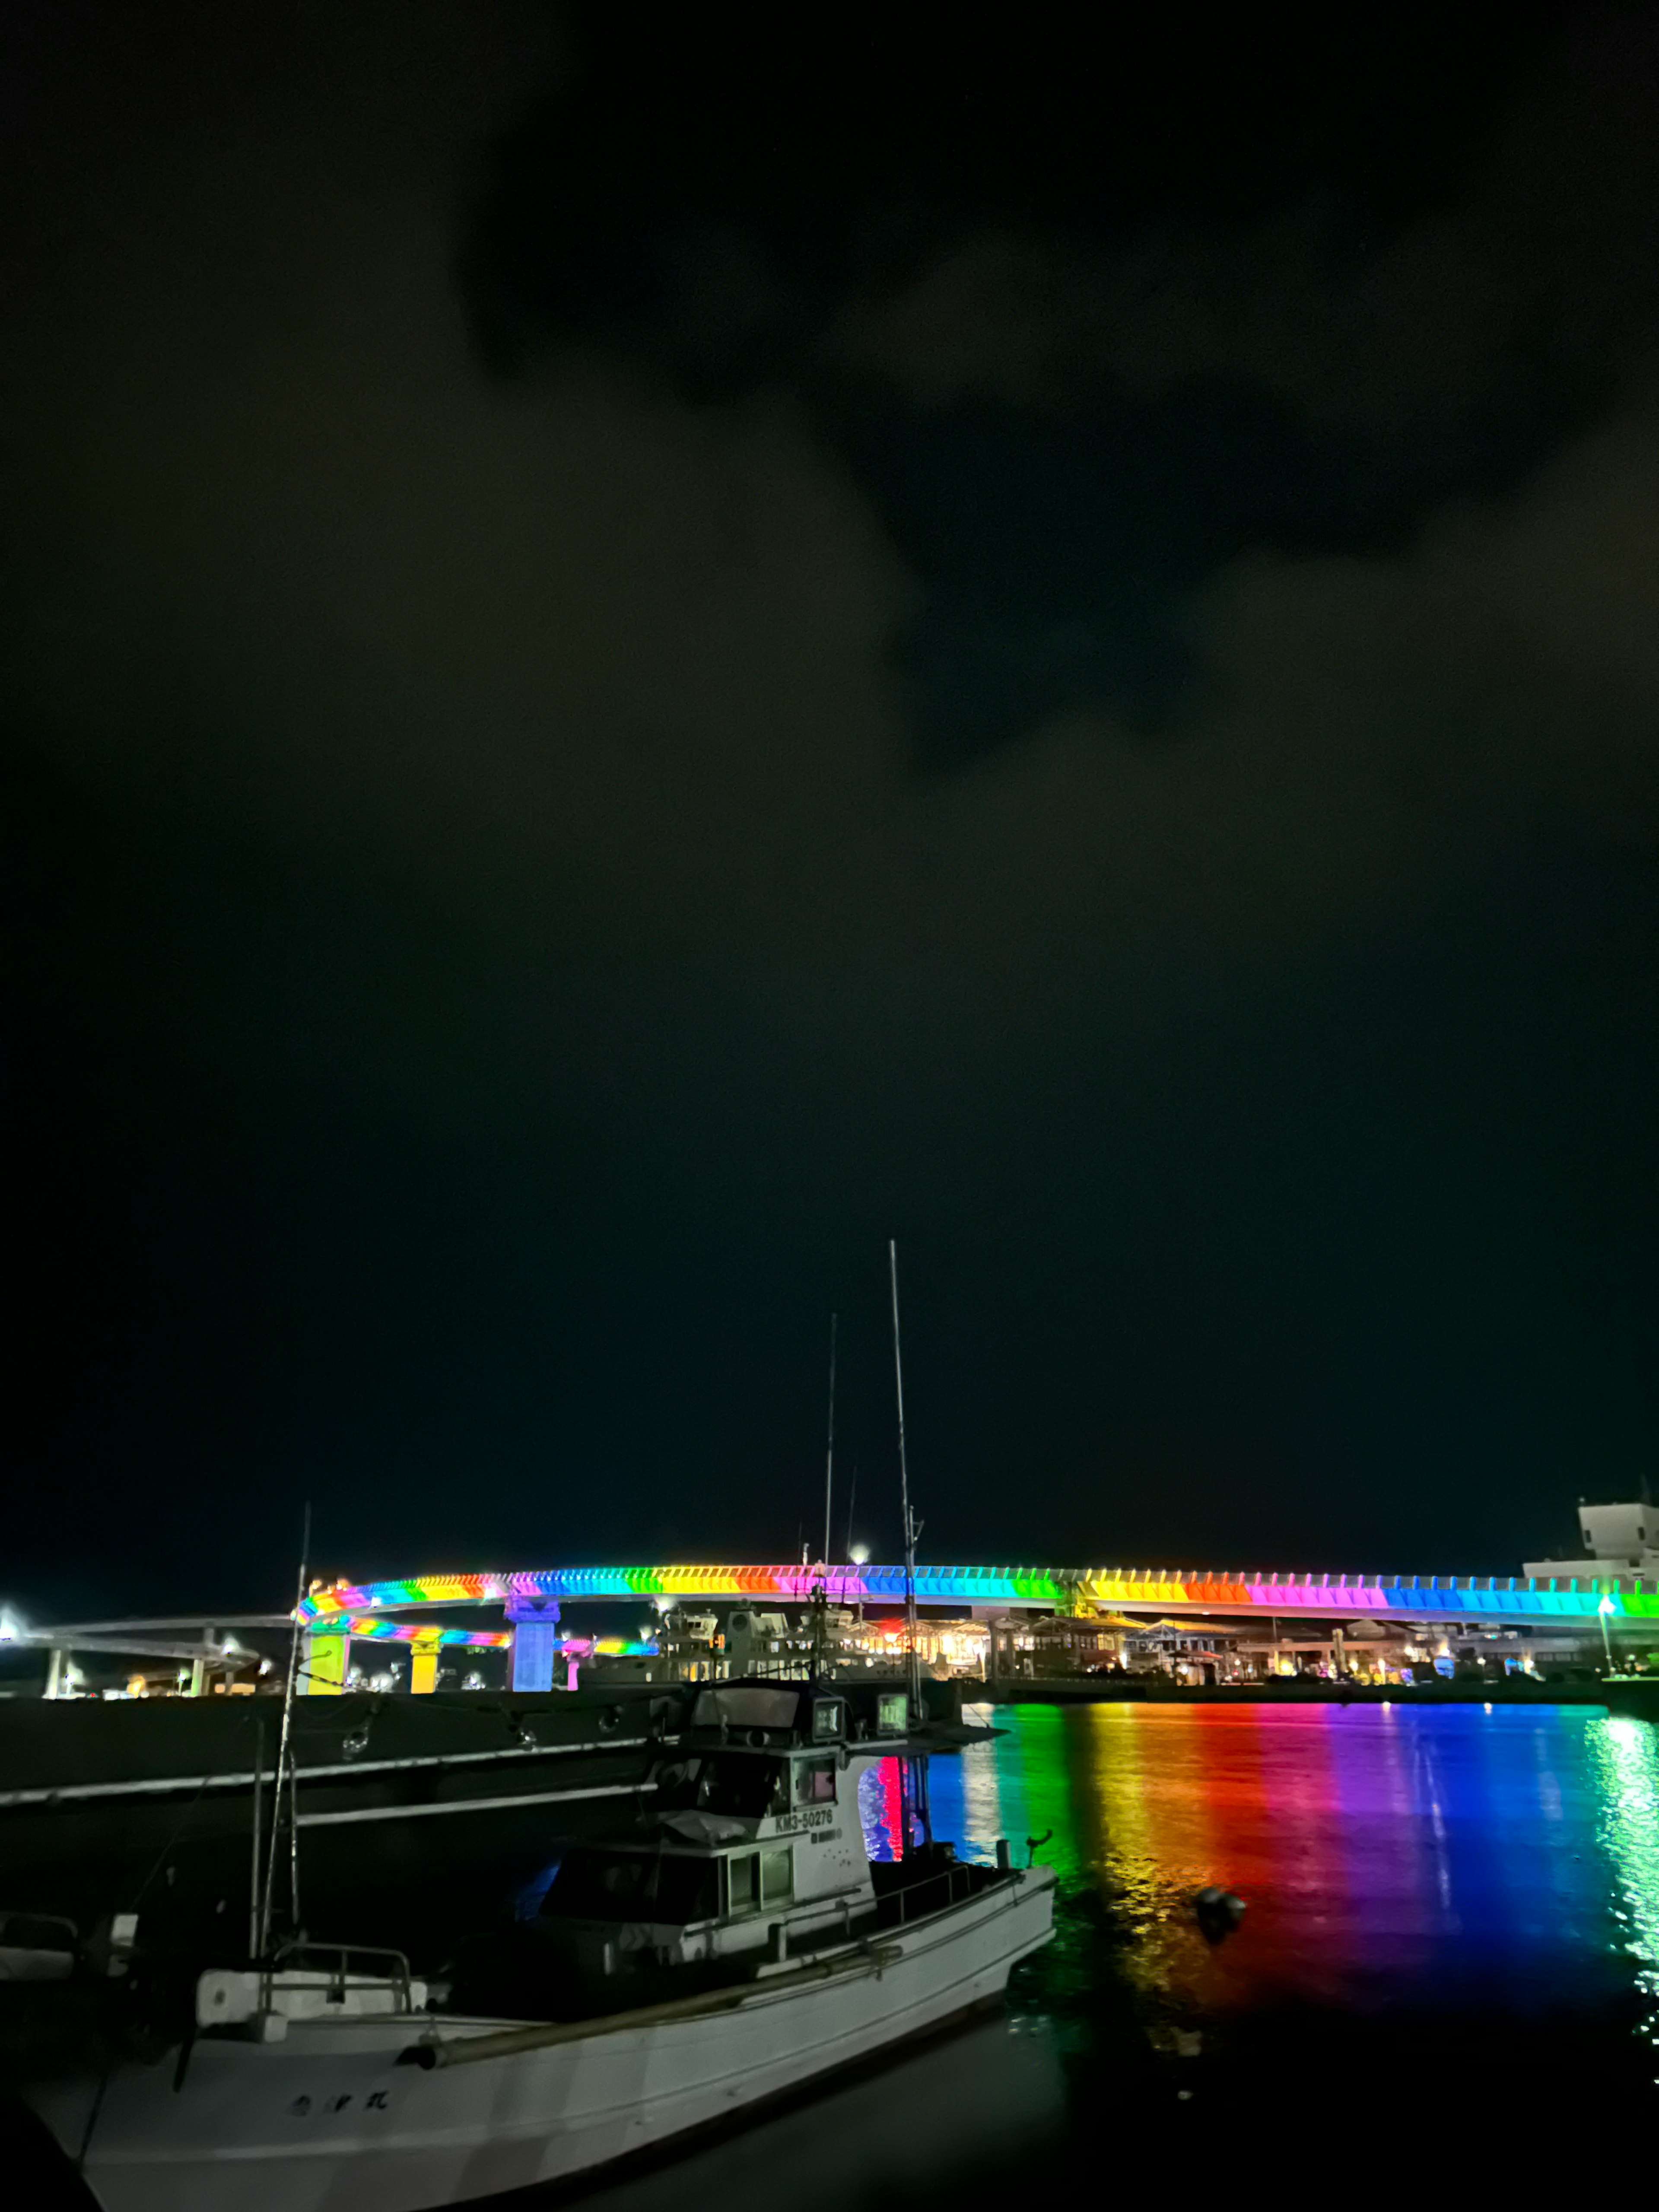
(749, 1788)
(737, 1782)
(745, 1704)
(598, 1885)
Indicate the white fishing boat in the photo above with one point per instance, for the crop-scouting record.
(734, 1946)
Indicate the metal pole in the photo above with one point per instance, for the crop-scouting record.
(914, 1669)
(253, 1866)
(830, 1450)
(284, 1750)
(294, 1835)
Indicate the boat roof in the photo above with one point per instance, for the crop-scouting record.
(760, 1715)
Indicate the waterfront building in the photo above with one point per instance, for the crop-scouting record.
(1621, 1546)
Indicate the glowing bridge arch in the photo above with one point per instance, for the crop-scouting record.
(1514, 1599)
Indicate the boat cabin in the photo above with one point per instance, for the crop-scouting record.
(754, 1848)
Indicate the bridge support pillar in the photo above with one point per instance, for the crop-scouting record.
(198, 1667)
(423, 1661)
(327, 1661)
(535, 1641)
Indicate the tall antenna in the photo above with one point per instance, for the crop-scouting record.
(255, 1864)
(912, 1527)
(285, 1763)
(830, 1451)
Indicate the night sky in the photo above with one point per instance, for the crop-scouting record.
(644, 646)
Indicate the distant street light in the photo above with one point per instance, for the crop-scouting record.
(1601, 1612)
(858, 1554)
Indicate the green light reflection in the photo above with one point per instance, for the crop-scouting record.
(1626, 1757)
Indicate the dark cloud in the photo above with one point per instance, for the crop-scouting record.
(508, 526)
(1104, 322)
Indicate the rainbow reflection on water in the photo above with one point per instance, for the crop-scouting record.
(884, 1811)
(1389, 1855)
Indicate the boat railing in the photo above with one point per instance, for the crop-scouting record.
(935, 1893)
(337, 1966)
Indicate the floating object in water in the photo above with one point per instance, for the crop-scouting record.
(1217, 1912)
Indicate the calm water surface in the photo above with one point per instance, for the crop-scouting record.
(1395, 1855)
(1451, 1942)
(1453, 1927)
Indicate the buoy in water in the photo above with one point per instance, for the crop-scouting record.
(1217, 1912)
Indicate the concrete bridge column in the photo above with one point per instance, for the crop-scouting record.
(327, 1660)
(535, 1641)
(423, 1660)
(198, 1667)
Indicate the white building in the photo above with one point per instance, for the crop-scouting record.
(1621, 1544)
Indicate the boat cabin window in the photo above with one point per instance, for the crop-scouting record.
(749, 1788)
(815, 1782)
(746, 1706)
(754, 1879)
(599, 1884)
(743, 1884)
(724, 1782)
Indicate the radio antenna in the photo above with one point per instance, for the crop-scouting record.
(830, 1449)
(285, 1768)
(912, 1527)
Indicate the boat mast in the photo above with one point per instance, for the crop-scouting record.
(912, 1528)
(285, 1763)
(830, 1450)
(256, 1868)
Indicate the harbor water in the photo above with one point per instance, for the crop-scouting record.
(1450, 1941)
(1389, 1856)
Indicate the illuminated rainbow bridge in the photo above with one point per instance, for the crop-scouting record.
(532, 1600)
(1512, 1601)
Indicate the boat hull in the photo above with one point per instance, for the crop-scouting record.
(335, 2114)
